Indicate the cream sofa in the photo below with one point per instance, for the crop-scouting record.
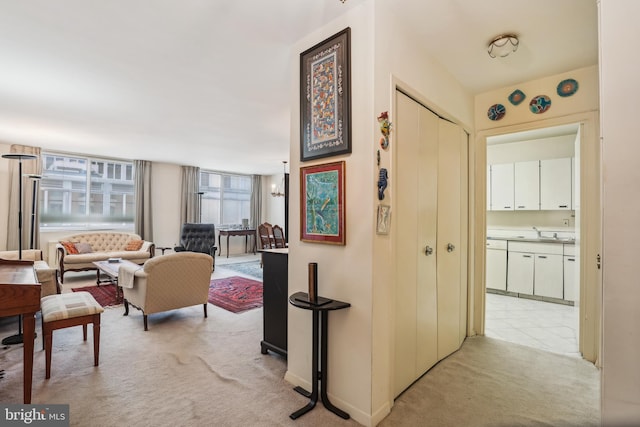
(46, 275)
(104, 245)
(168, 282)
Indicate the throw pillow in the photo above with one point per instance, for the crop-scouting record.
(70, 247)
(84, 248)
(134, 245)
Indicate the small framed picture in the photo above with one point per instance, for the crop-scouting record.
(384, 218)
(322, 203)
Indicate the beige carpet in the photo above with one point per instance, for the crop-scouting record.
(191, 371)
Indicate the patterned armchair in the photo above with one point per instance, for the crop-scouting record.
(167, 282)
(198, 238)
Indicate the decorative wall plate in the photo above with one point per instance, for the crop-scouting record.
(496, 112)
(516, 97)
(567, 87)
(540, 104)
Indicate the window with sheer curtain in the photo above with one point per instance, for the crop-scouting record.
(226, 198)
(87, 193)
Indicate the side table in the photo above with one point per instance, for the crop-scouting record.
(319, 373)
(163, 248)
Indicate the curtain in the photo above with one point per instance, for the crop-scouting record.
(143, 221)
(190, 202)
(256, 201)
(30, 212)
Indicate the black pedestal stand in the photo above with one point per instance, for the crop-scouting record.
(319, 375)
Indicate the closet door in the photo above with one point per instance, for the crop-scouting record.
(450, 243)
(415, 212)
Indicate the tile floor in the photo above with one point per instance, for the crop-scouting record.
(539, 324)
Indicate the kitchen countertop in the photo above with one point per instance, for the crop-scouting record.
(566, 241)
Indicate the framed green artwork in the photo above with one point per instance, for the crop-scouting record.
(322, 207)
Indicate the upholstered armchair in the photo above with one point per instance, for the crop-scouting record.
(167, 282)
(47, 276)
(198, 238)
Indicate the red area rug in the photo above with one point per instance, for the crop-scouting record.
(104, 294)
(236, 294)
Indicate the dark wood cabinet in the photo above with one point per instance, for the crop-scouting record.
(275, 285)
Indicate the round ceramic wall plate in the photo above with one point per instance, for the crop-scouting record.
(496, 112)
(540, 104)
(567, 87)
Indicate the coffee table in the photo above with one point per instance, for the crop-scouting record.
(110, 269)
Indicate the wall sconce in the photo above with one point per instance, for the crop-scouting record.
(503, 45)
(279, 191)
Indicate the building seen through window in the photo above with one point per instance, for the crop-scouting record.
(84, 192)
(226, 198)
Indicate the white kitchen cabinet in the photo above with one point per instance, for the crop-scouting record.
(527, 185)
(570, 285)
(520, 272)
(548, 275)
(502, 196)
(496, 264)
(555, 184)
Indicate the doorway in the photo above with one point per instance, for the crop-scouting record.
(572, 246)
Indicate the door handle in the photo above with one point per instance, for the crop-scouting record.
(450, 247)
(428, 250)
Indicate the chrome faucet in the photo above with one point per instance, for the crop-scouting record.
(537, 231)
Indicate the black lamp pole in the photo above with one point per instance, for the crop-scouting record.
(17, 339)
(34, 204)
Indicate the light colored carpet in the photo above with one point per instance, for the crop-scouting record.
(252, 268)
(191, 371)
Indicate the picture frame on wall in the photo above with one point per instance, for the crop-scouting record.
(322, 203)
(325, 98)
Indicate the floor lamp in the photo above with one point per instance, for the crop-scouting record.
(34, 204)
(17, 339)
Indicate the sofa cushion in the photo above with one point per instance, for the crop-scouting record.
(84, 248)
(70, 247)
(134, 245)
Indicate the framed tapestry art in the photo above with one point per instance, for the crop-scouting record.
(322, 203)
(325, 98)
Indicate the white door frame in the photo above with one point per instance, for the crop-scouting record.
(590, 230)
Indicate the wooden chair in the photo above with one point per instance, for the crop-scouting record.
(278, 237)
(265, 233)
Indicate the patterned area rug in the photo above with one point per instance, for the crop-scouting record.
(104, 294)
(236, 294)
(251, 268)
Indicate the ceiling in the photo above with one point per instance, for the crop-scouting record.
(206, 82)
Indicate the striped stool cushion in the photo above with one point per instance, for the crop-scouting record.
(68, 305)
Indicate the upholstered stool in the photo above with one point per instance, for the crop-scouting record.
(66, 310)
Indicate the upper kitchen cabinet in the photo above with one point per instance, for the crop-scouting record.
(555, 184)
(502, 187)
(527, 185)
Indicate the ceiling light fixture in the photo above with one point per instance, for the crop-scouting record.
(503, 45)
(279, 191)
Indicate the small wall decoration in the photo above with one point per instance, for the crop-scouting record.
(540, 104)
(496, 112)
(567, 87)
(322, 203)
(382, 182)
(325, 98)
(384, 218)
(385, 129)
(516, 97)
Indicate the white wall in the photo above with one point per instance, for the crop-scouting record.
(272, 207)
(621, 200)
(4, 195)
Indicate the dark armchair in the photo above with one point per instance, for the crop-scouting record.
(198, 238)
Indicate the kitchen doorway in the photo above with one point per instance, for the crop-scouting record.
(548, 312)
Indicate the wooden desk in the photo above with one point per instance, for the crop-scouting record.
(247, 232)
(20, 295)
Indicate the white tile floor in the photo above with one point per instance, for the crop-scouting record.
(539, 324)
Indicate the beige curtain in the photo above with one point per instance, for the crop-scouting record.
(29, 167)
(143, 220)
(256, 201)
(190, 202)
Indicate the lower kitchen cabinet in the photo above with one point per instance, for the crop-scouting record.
(520, 272)
(549, 276)
(496, 277)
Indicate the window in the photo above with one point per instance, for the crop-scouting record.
(83, 192)
(226, 198)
